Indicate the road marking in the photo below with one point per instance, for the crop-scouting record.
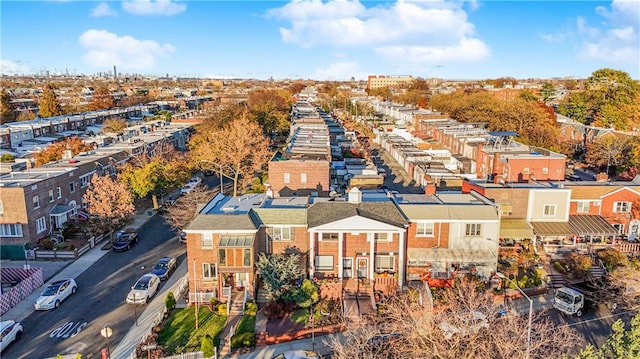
(68, 329)
(596, 319)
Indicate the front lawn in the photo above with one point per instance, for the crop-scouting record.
(179, 331)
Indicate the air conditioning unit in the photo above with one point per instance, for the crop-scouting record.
(275, 238)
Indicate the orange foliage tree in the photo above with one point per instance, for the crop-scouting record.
(55, 151)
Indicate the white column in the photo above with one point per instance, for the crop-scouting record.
(372, 239)
(401, 261)
(312, 255)
(340, 244)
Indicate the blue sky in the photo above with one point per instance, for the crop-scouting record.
(322, 40)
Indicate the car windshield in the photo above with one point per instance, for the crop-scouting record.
(564, 297)
(142, 284)
(51, 290)
(161, 265)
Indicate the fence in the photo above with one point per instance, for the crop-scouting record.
(40, 254)
(193, 355)
(27, 280)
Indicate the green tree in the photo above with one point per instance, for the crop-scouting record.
(547, 92)
(8, 111)
(621, 343)
(206, 346)
(278, 272)
(170, 301)
(305, 295)
(49, 104)
(109, 201)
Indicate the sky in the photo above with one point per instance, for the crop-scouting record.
(321, 40)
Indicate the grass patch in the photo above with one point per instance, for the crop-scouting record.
(300, 316)
(245, 332)
(179, 331)
(247, 324)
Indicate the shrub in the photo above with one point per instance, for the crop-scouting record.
(170, 301)
(243, 340)
(251, 308)
(278, 309)
(7, 158)
(578, 264)
(559, 267)
(613, 258)
(222, 309)
(47, 243)
(206, 346)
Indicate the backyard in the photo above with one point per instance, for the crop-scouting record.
(179, 334)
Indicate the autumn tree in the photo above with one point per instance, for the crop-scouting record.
(270, 109)
(55, 151)
(609, 151)
(454, 329)
(8, 111)
(183, 210)
(239, 148)
(114, 125)
(25, 115)
(109, 200)
(101, 99)
(49, 104)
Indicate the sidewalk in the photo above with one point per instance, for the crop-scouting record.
(57, 270)
(269, 351)
(520, 306)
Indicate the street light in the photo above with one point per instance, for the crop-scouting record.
(503, 277)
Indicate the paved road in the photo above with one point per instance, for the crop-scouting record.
(75, 326)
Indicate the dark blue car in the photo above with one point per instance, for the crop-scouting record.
(164, 267)
(124, 240)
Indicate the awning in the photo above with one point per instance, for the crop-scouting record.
(591, 225)
(515, 228)
(60, 209)
(552, 229)
(236, 241)
(444, 255)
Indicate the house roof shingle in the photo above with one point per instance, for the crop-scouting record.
(222, 222)
(276, 216)
(327, 212)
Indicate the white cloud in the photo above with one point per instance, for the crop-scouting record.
(559, 37)
(340, 71)
(616, 38)
(105, 49)
(103, 9)
(151, 7)
(465, 50)
(405, 26)
(9, 67)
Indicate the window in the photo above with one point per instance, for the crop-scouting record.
(36, 202)
(424, 229)
(324, 263)
(583, 207)
(549, 210)
(384, 263)
(545, 170)
(222, 257)
(59, 192)
(207, 240)
(621, 207)
(287, 178)
(473, 229)
(347, 267)
(382, 237)
(84, 180)
(525, 170)
(506, 208)
(303, 178)
(209, 271)
(51, 197)
(11, 230)
(41, 225)
(280, 233)
(1, 208)
(246, 257)
(330, 237)
(72, 187)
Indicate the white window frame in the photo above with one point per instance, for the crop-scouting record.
(580, 206)
(545, 170)
(59, 192)
(525, 170)
(41, 225)
(281, 233)
(382, 237)
(211, 269)
(51, 196)
(622, 207)
(549, 210)
(287, 177)
(36, 202)
(347, 267)
(425, 231)
(303, 178)
(10, 230)
(72, 187)
(324, 263)
(473, 229)
(85, 179)
(388, 257)
(329, 236)
(207, 241)
(1, 208)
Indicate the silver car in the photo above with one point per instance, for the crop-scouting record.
(144, 289)
(10, 331)
(55, 293)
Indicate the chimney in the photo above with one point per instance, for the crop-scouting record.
(430, 189)
(602, 177)
(355, 196)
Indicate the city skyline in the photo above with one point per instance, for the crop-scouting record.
(335, 40)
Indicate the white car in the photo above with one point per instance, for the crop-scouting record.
(10, 331)
(144, 289)
(55, 293)
(469, 323)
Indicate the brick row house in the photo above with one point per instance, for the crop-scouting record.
(371, 241)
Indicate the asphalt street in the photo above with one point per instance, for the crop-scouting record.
(75, 326)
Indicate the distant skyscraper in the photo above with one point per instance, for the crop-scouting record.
(115, 73)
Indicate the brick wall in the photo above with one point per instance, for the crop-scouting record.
(317, 177)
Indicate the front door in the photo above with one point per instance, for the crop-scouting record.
(362, 267)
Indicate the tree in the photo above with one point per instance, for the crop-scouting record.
(49, 105)
(278, 272)
(240, 148)
(547, 92)
(270, 109)
(109, 200)
(8, 111)
(180, 213)
(101, 99)
(422, 330)
(206, 346)
(114, 125)
(55, 151)
(25, 115)
(609, 151)
(620, 344)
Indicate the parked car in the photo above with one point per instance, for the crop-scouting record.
(10, 331)
(182, 237)
(55, 293)
(145, 288)
(470, 322)
(297, 354)
(165, 267)
(124, 240)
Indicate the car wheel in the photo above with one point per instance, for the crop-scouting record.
(146, 300)
(128, 246)
(73, 290)
(56, 304)
(18, 335)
